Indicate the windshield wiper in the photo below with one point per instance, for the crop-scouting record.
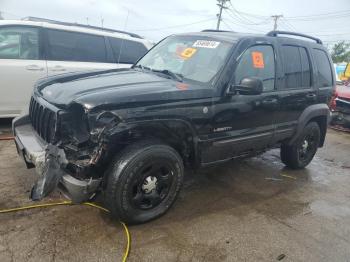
(167, 72)
(173, 75)
(143, 67)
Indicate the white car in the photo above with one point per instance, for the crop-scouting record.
(30, 50)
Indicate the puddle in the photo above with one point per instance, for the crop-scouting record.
(330, 210)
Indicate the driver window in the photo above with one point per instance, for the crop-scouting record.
(257, 61)
(19, 43)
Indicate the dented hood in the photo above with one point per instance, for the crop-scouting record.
(117, 87)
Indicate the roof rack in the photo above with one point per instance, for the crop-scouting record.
(276, 33)
(214, 30)
(38, 19)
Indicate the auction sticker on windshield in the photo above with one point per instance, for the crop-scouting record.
(206, 44)
(188, 52)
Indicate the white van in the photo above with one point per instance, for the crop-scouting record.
(34, 48)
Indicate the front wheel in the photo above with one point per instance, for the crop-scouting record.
(300, 154)
(143, 182)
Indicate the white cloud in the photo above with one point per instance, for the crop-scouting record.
(157, 14)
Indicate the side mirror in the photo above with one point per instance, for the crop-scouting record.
(247, 86)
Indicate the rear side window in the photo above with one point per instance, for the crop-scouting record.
(19, 43)
(296, 67)
(73, 46)
(257, 61)
(324, 70)
(127, 51)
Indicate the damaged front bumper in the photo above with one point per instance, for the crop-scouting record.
(50, 162)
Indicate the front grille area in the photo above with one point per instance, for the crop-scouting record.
(43, 120)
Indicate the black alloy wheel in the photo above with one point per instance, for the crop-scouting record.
(143, 181)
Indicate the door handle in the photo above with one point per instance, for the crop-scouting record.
(34, 68)
(58, 69)
(311, 96)
(270, 101)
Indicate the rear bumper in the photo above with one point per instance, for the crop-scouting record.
(33, 150)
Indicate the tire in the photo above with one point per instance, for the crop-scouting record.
(300, 154)
(143, 181)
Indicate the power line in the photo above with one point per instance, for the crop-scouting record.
(343, 13)
(312, 19)
(227, 25)
(329, 15)
(239, 16)
(322, 14)
(242, 25)
(288, 24)
(250, 14)
(244, 20)
(11, 14)
(285, 26)
(236, 22)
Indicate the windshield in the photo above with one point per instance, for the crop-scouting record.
(191, 58)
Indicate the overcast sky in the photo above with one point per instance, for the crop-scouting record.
(155, 19)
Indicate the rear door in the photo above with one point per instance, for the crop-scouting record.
(21, 65)
(69, 51)
(325, 78)
(126, 52)
(297, 90)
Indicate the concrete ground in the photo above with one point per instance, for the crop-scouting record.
(249, 210)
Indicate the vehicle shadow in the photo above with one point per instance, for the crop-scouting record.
(261, 184)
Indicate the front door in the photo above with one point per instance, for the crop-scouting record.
(21, 65)
(243, 124)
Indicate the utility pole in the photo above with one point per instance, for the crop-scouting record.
(102, 20)
(275, 19)
(221, 4)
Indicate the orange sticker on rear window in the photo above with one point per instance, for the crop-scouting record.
(188, 52)
(258, 59)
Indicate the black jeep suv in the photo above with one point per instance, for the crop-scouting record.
(193, 100)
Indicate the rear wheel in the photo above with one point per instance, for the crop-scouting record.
(303, 150)
(143, 182)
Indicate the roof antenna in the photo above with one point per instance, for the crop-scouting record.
(121, 45)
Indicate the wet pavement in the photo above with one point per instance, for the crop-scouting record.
(248, 210)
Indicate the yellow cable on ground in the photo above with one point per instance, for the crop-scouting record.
(35, 206)
(126, 253)
(127, 249)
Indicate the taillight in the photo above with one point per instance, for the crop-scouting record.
(333, 103)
